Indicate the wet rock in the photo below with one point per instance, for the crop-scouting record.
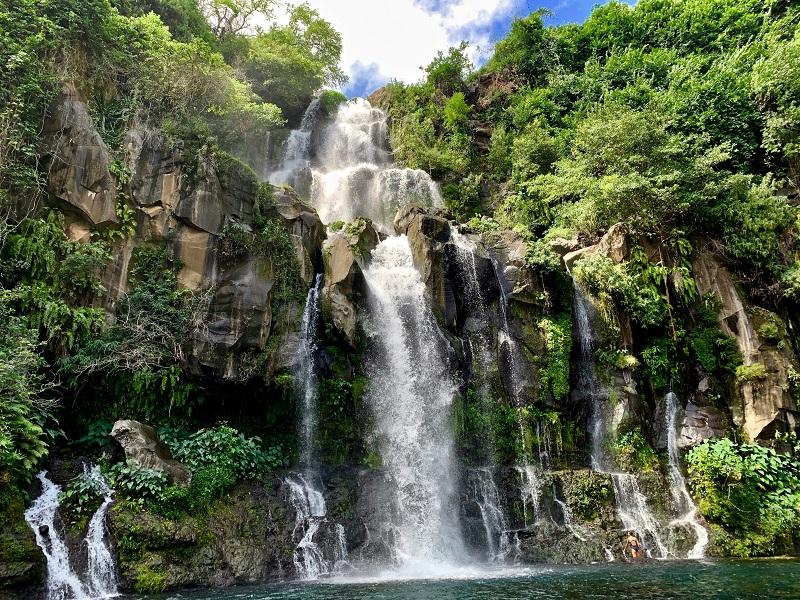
(428, 231)
(344, 282)
(141, 444)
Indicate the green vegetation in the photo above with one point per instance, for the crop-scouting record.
(554, 374)
(675, 119)
(750, 493)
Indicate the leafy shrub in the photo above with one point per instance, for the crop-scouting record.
(554, 374)
(80, 498)
(97, 436)
(456, 111)
(541, 257)
(224, 447)
(331, 99)
(25, 407)
(634, 453)
(611, 282)
(131, 480)
(483, 224)
(751, 491)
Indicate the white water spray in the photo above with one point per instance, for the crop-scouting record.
(411, 395)
(352, 172)
(101, 570)
(63, 583)
(483, 490)
(312, 557)
(306, 373)
(631, 503)
(680, 495)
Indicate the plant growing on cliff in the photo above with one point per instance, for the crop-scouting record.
(554, 374)
(144, 348)
(26, 422)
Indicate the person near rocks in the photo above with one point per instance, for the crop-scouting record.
(632, 544)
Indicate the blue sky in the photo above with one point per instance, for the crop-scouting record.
(392, 39)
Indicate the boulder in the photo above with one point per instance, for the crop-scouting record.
(700, 423)
(79, 172)
(141, 445)
(306, 229)
(428, 231)
(344, 282)
(614, 244)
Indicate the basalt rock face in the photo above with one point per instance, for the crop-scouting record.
(246, 538)
(344, 289)
(79, 170)
(764, 403)
(184, 204)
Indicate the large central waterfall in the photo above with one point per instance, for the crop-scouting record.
(411, 396)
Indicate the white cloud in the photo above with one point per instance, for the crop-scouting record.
(400, 36)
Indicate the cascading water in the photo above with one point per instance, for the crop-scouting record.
(63, 583)
(101, 570)
(295, 167)
(411, 396)
(483, 491)
(680, 495)
(352, 171)
(312, 558)
(631, 503)
(306, 372)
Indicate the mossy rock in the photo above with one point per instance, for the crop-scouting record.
(22, 564)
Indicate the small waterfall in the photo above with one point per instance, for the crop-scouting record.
(680, 495)
(306, 372)
(295, 167)
(531, 489)
(63, 583)
(411, 395)
(632, 508)
(312, 557)
(483, 491)
(101, 570)
(309, 505)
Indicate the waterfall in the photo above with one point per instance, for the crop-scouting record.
(351, 172)
(530, 493)
(680, 495)
(305, 372)
(101, 570)
(483, 491)
(63, 583)
(295, 167)
(311, 557)
(411, 395)
(631, 503)
(314, 555)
